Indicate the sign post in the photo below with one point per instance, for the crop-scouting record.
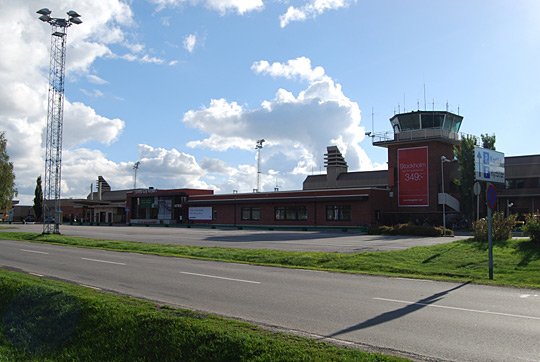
(491, 198)
(489, 167)
(477, 189)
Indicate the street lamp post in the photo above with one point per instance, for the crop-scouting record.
(55, 118)
(443, 161)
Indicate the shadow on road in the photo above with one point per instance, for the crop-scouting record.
(398, 313)
(278, 236)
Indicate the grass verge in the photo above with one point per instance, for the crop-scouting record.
(516, 262)
(46, 320)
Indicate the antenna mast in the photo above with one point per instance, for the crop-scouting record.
(372, 121)
(258, 147)
(425, 104)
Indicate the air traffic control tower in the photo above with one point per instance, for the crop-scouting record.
(420, 165)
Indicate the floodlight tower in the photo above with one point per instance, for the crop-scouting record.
(55, 117)
(258, 147)
(135, 168)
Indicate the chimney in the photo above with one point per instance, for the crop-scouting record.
(335, 165)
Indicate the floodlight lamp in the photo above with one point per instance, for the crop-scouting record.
(45, 18)
(75, 20)
(73, 14)
(44, 11)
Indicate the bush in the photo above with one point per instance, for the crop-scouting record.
(410, 229)
(532, 227)
(502, 227)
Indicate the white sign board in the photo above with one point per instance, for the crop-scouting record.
(488, 165)
(200, 213)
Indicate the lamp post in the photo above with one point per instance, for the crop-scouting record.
(443, 161)
(135, 168)
(55, 118)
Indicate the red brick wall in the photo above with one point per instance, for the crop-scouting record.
(436, 149)
(363, 208)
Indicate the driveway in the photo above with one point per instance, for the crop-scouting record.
(331, 241)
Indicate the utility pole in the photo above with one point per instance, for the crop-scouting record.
(52, 212)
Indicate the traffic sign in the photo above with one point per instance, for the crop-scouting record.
(491, 196)
(488, 165)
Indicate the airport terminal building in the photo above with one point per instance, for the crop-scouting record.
(417, 187)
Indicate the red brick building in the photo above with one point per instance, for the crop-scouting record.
(416, 187)
(351, 207)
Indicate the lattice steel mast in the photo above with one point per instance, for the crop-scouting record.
(258, 147)
(55, 118)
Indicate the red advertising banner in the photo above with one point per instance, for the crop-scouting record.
(413, 185)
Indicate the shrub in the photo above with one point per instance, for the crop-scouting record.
(410, 229)
(502, 227)
(532, 227)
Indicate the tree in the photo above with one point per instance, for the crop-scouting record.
(464, 153)
(488, 141)
(7, 176)
(38, 199)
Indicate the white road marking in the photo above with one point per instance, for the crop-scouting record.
(528, 295)
(36, 274)
(415, 280)
(103, 261)
(34, 251)
(460, 309)
(91, 287)
(224, 278)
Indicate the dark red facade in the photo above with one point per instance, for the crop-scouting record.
(338, 207)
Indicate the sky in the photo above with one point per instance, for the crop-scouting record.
(187, 87)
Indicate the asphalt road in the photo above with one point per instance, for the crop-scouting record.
(344, 242)
(421, 319)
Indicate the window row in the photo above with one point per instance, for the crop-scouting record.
(298, 213)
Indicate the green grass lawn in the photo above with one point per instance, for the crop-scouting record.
(46, 320)
(516, 262)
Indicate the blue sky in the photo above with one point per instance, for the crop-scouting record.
(187, 87)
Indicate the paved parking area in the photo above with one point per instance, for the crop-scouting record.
(333, 241)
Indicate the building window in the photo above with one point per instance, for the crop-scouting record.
(251, 213)
(338, 212)
(294, 213)
(515, 184)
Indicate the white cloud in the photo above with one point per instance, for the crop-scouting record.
(135, 48)
(294, 68)
(82, 124)
(95, 93)
(310, 10)
(189, 42)
(92, 78)
(23, 95)
(240, 6)
(163, 168)
(136, 58)
(222, 6)
(297, 128)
